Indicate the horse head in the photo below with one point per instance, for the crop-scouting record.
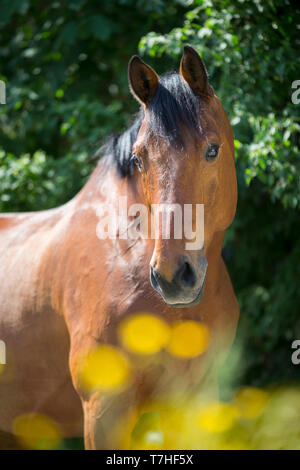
(185, 155)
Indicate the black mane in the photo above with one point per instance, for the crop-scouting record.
(173, 104)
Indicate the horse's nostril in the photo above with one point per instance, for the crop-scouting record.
(187, 277)
(184, 279)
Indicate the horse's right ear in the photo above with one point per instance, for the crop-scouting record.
(143, 80)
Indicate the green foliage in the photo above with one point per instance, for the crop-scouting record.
(273, 157)
(65, 68)
(39, 181)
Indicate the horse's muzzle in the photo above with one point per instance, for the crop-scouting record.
(187, 285)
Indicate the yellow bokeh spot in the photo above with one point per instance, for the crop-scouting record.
(144, 334)
(1, 368)
(251, 402)
(36, 431)
(104, 368)
(189, 339)
(217, 417)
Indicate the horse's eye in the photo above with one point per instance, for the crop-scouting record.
(211, 152)
(137, 161)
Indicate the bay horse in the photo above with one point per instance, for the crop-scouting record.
(63, 290)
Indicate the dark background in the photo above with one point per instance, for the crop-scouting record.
(65, 68)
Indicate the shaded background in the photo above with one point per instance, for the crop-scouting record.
(65, 68)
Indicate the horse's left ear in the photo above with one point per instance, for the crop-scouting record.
(143, 80)
(193, 70)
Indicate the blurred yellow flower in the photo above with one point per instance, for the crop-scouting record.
(251, 402)
(105, 368)
(188, 339)
(217, 417)
(36, 431)
(144, 333)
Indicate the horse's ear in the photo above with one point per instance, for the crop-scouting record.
(193, 70)
(143, 80)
